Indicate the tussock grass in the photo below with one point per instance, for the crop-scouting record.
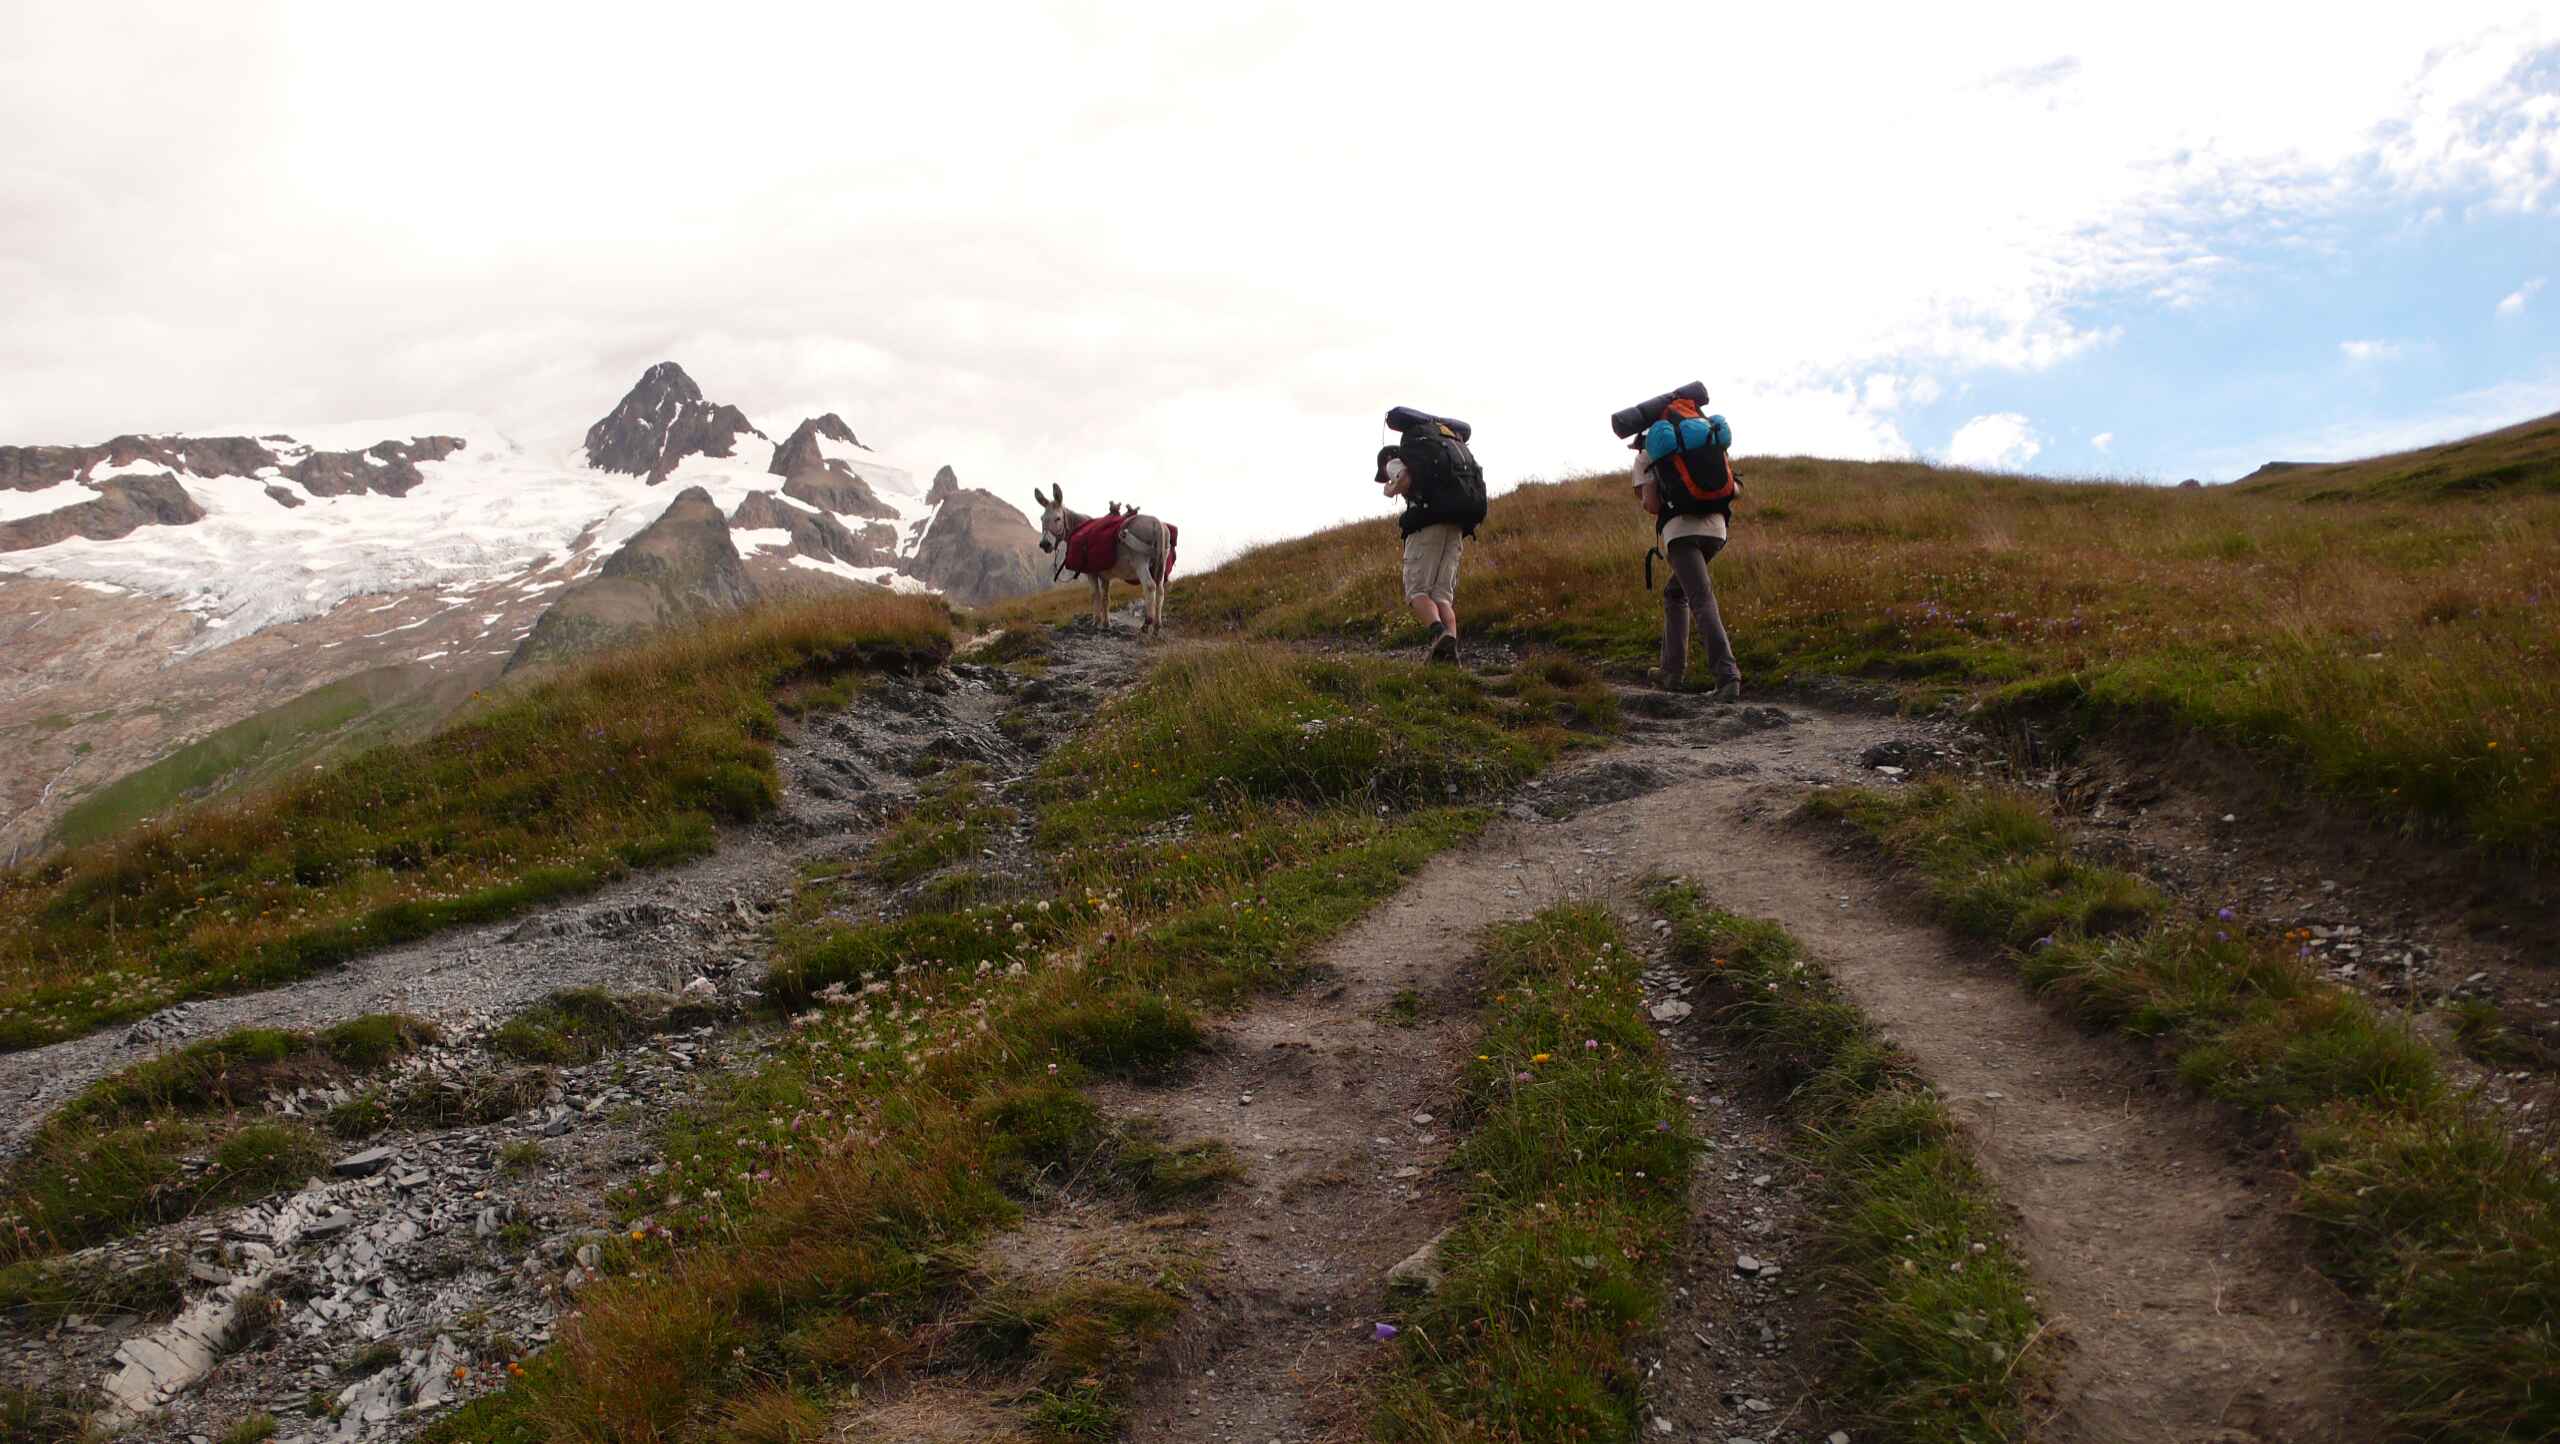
(2399, 649)
(580, 1025)
(117, 1156)
(951, 822)
(1929, 1309)
(1578, 1155)
(2423, 1200)
(33, 1416)
(39, 1293)
(818, 1216)
(632, 760)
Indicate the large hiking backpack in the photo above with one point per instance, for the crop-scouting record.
(1448, 485)
(1692, 462)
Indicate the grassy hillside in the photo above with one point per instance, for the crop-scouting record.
(379, 705)
(2525, 457)
(628, 761)
(2401, 650)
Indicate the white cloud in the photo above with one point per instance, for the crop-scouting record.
(2363, 352)
(2467, 414)
(2103, 440)
(2481, 116)
(2520, 297)
(2002, 441)
(1033, 248)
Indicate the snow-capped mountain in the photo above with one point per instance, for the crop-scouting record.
(154, 589)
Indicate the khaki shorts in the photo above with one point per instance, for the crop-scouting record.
(1431, 562)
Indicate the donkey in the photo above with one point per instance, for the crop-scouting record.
(1145, 554)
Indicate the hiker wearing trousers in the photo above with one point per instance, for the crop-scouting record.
(1430, 565)
(1689, 597)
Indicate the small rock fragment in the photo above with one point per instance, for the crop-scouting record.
(1420, 1269)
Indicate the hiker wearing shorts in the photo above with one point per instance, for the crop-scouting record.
(1430, 563)
(1689, 540)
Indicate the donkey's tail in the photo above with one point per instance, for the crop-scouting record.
(1164, 559)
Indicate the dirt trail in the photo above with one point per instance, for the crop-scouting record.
(1337, 1102)
(2163, 1261)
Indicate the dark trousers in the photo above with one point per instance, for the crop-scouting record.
(1690, 593)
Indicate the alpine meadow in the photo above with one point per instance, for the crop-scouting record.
(1001, 726)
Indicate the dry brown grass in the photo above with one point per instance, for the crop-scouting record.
(2397, 647)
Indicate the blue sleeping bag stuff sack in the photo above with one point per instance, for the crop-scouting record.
(1665, 437)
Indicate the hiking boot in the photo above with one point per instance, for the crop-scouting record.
(1729, 691)
(1661, 681)
(1444, 646)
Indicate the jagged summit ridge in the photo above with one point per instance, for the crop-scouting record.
(818, 464)
(662, 420)
(259, 525)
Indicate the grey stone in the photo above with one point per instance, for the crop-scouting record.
(357, 1165)
(330, 1225)
(1420, 1270)
(1670, 1010)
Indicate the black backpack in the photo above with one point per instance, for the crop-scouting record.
(1448, 485)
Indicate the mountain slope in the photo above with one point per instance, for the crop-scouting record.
(155, 590)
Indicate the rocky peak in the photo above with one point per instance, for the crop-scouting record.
(815, 533)
(946, 485)
(979, 549)
(809, 474)
(660, 422)
(802, 447)
(680, 566)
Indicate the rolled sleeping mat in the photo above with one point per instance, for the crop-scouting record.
(1405, 418)
(1636, 418)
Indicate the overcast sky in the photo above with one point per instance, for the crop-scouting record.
(1187, 256)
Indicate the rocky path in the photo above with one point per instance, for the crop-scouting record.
(656, 929)
(2162, 1259)
(434, 1249)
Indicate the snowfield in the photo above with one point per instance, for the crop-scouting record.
(487, 516)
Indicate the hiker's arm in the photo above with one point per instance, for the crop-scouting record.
(1648, 498)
